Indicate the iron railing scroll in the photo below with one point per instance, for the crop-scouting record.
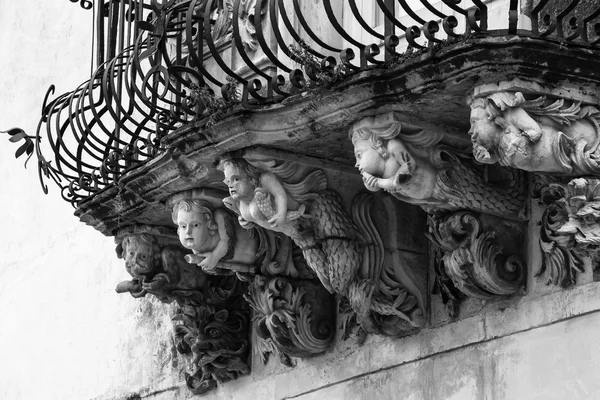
(162, 64)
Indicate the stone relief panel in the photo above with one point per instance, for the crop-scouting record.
(212, 319)
(523, 125)
(420, 166)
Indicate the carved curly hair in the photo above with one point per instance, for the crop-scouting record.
(196, 205)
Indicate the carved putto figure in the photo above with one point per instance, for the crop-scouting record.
(161, 271)
(413, 165)
(217, 242)
(304, 211)
(536, 133)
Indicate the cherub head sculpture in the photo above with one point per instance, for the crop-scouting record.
(240, 177)
(141, 253)
(195, 224)
(398, 157)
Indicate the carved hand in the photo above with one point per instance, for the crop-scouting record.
(158, 282)
(209, 263)
(482, 154)
(371, 183)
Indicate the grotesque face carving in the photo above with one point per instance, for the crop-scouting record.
(139, 253)
(485, 134)
(193, 229)
(368, 159)
(239, 183)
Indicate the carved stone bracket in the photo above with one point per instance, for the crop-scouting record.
(292, 317)
(211, 325)
(570, 229)
(213, 334)
(535, 128)
(474, 257)
(430, 169)
(293, 199)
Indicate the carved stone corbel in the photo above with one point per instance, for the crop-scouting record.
(527, 126)
(211, 324)
(293, 199)
(293, 318)
(422, 167)
(474, 255)
(213, 335)
(570, 229)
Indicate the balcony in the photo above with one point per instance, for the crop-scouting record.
(185, 92)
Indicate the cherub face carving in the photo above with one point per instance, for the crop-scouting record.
(193, 229)
(139, 256)
(368, 159)
(239, 183)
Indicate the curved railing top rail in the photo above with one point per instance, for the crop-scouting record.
(160, 64)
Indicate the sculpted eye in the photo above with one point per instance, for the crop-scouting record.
(131, 253)
(196, 225)
(214, 332)
(144, 256)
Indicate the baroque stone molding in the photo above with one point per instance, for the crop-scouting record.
(211, 324)
(474, 257)
(525, 125)
(293, 318)
(417, 167)
(569, 229)
(213, 335)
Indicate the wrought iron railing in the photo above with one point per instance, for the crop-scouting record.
(163, 64)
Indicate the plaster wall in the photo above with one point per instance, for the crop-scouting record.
(65, 334)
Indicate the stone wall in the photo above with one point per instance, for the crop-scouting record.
(66, 334)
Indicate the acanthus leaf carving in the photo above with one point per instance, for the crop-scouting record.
(292, 318)
(477, 265)
(213, 335)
